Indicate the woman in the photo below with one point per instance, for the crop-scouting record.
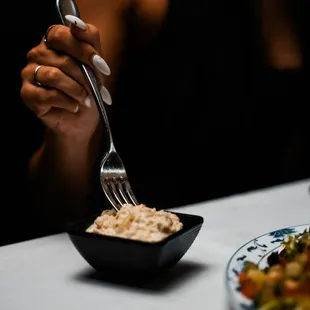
(207, 101)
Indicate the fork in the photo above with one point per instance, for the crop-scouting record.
(113, 176)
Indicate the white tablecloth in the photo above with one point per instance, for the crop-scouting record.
(49, 274)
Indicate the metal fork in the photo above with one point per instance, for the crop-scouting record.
(113, 176)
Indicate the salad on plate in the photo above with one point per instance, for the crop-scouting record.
(285, 282)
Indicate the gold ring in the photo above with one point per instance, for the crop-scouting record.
(35, 75)
(46, 34)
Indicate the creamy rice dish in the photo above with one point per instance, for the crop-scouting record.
(137, 223)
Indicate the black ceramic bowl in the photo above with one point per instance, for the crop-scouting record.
(110, 254)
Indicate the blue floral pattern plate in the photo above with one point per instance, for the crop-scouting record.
(256, 251)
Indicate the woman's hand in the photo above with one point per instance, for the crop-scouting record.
(54, 87)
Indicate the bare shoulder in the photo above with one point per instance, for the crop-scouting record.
(109, 16)
(92, 10)
(152, 11)
(149, 17)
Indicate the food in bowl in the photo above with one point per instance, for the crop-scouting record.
(285, 282)
(137, 223)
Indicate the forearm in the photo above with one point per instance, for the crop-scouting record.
(61, 174)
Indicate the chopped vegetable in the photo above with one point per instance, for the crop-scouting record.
(285, 282)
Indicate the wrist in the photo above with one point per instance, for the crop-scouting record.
(77, 140)
(74, 149)
(66, 142)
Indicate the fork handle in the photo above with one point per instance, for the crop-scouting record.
(69, 7)
(90, 76)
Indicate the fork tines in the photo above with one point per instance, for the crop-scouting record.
(119, 192)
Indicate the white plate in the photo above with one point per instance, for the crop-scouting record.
(256, 251)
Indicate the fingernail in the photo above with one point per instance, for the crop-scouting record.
(87, 102)
(76, 21)
(106, 97)
(101, 65)
(76, 109)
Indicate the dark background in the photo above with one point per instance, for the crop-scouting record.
(23, 26)
(21, 130)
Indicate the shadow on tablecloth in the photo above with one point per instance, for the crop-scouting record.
(184, 271)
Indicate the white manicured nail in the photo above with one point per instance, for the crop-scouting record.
(106, 97)
(77, 109)
(101, 65)
(76, 21)
(87, 102)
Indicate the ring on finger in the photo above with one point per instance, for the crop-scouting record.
(46, 34)
(35, 75)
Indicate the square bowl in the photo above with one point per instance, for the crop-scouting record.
(107, 254)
